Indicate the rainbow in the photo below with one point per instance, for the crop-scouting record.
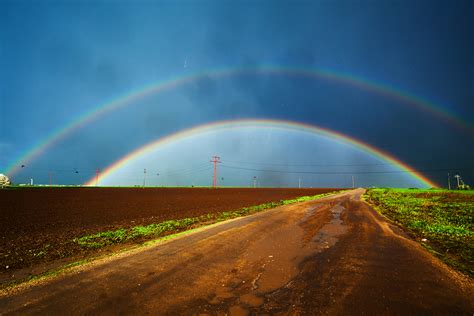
(267, 124)
(128, 99)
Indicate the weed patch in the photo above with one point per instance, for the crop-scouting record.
(445, 218)
(102, 239)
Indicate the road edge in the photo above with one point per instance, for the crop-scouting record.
(90, 262)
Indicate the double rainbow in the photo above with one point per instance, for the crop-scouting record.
(128, 99)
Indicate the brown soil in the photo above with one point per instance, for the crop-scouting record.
(331, 256)
(37, 225)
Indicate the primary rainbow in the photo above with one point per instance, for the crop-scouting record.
(128, 98)
(268, 124)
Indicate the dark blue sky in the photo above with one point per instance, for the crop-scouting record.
(59, 59)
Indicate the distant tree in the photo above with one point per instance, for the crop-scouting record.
(4, 181)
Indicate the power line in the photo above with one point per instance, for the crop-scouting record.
(189, 171)
(167, 171)
(336, 172)
(322, 165)
(91, 171)
(137, 176)
(305, 165)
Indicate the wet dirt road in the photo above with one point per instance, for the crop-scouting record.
(330, 256)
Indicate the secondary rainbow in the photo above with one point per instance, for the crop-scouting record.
(128, 99)
(269, 124)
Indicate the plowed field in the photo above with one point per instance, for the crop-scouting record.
(37, 223)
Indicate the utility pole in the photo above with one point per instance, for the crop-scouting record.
(449, 182)
(97, 176)
(215, 160)
(353, 182)
(144, 177)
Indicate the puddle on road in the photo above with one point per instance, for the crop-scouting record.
(328, 235)
(271, 262)
(289, 249)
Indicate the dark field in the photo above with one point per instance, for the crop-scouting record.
(38, 224)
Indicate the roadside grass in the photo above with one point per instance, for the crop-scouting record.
(123, 235)
(138, 236)
(444, 218)
(76, 186)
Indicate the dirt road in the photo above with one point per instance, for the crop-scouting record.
(37, 224)
(331, 256)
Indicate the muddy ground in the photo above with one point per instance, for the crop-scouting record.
(37, 224)
(331, 256)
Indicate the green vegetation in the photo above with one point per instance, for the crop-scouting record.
(444, 218)
(135, 233)
(135, 236)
